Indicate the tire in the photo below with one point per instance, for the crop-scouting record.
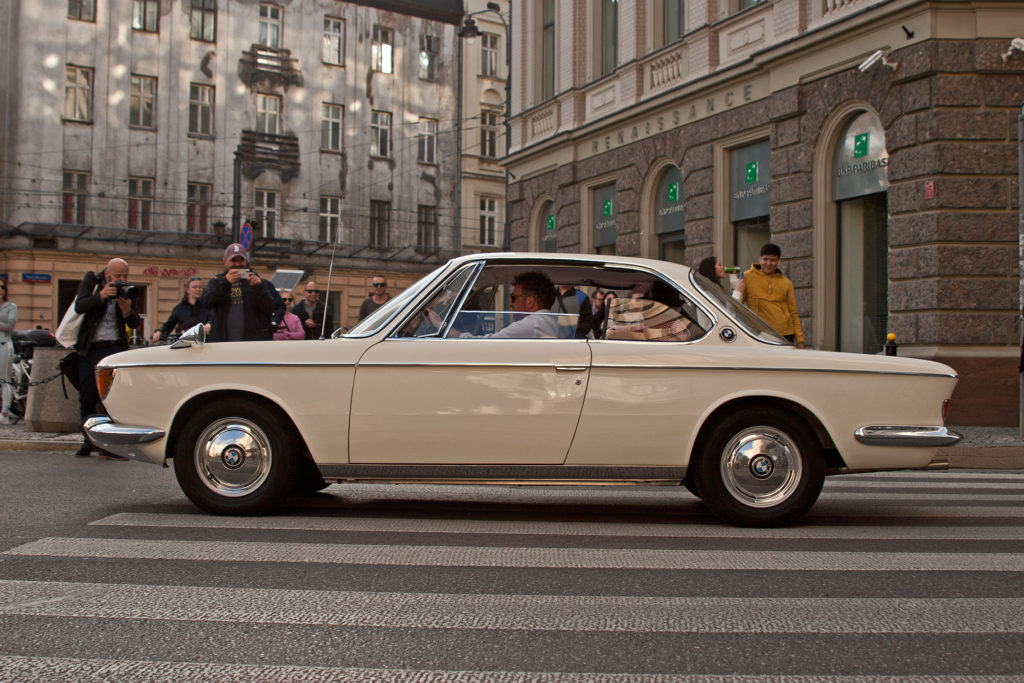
(760, 468)
(235, 460)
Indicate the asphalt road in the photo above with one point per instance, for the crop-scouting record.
(108, 573)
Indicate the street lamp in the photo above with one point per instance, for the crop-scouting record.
(470, 31)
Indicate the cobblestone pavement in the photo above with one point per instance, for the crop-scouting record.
(981, 447)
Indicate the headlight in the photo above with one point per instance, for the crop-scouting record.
(104, 380)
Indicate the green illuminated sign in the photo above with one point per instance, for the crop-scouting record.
(860, 145)
(551, 222)
(673, 192)
(752, 172)
(607, 207)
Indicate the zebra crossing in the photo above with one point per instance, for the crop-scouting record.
(895, 576)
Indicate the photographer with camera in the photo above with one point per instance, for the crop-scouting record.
(240, 302)
(107, 302)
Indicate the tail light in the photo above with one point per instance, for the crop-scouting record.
(104, 379)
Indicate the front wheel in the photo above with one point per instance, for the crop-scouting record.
(760, 468)
(235, 461)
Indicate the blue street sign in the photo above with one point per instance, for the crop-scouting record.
(245, 236)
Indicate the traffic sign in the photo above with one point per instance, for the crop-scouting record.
(245, 236)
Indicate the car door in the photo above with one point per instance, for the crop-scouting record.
(466, 400)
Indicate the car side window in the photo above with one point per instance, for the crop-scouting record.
(656, 313)
(434, 316)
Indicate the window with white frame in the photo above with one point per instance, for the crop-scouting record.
(140, 203)
(674, 19)
(430, 46)
(383, 46)
(547, 50)
(488, 133)
(489, 55)
(200, 109)
(74, 195)
(332, 121)
(426, 228)
(270, 25)
(198, 213)
(488, 221)
(268, 114)
(330, 219)
(380, 133)
(334, 41)
(427, 141)
(146, 15)
(78, 93)
(380, 224)
(203, 20)
(609, 36)
(83, 10)
(142, 101)
(266, 211)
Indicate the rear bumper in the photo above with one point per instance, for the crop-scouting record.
(920, 437)
(120, 439)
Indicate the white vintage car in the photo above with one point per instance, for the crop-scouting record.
(679, 386)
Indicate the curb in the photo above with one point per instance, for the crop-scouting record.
(40, 446)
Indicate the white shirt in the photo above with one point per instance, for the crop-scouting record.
(540, 324)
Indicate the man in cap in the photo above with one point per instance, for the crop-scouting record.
(241, 303)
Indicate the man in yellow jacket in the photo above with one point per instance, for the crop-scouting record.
(769, 293)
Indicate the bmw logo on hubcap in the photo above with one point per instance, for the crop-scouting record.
(762, 467)
(233, 457)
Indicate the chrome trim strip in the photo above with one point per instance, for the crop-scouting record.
(478, 473)
(246, 364)
(119, 439)
(883, 435)
(751, 368)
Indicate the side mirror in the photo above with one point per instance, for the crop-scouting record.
(193, 335)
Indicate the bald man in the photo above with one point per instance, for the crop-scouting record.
(102, 332)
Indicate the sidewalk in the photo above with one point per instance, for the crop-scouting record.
(991, 448)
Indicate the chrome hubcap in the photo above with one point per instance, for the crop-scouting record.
(761, 466)
(233, 457)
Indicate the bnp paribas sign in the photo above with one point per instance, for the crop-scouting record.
(861, 160)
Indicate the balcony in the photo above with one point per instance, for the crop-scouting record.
(269, 67)
(263, 151)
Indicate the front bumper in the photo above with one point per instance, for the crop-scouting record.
(921, 437)
(120, 439)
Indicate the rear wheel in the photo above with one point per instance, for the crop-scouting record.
(235, 461)
(760, 468)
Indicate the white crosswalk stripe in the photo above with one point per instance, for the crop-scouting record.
(899, 528)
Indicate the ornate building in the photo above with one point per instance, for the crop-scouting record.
(157, 129)
(875, 142)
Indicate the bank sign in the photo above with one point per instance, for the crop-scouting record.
(750, 181)
(861, 166)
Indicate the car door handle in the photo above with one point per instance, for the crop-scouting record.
(570, 368)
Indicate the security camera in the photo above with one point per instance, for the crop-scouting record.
(870, 61)
(1015, 44)
(877, 56)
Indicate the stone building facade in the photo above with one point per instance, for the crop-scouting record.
(876, 143)
(157, 129)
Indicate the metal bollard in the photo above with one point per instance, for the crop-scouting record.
(890, 344)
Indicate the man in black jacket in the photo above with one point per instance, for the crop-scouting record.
(312, 312)
(240, 302)
(107, 312)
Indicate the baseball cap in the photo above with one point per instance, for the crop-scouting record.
(234, 250)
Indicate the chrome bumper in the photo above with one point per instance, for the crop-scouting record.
(922, 437)
(119, 439)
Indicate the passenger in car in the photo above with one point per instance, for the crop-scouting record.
(646, 320)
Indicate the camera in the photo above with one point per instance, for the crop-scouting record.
(125, 290)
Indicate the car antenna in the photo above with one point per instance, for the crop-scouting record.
(330, 272)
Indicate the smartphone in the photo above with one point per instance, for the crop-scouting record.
(740, 275)
(245, 273)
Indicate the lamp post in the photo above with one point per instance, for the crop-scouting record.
(470, 30)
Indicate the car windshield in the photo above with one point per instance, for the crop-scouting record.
(743, 316)
(376, 320)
